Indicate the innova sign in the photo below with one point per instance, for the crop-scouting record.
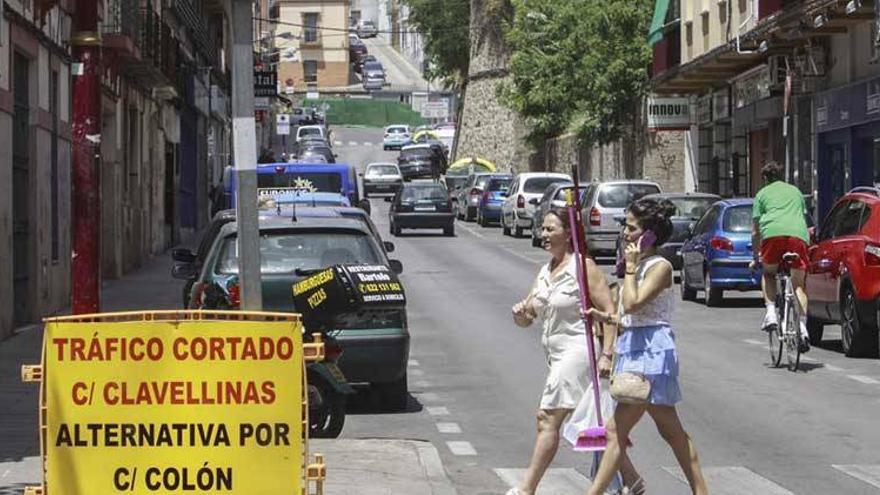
(669, 114)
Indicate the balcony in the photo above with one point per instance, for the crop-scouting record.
(122, 28)
(191, 15)
(140, 46)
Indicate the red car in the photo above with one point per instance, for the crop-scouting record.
(843, 275)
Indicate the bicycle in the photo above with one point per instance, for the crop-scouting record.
(786, 335)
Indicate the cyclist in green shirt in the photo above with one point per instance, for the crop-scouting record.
(780, 227)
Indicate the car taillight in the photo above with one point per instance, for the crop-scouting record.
(234, 291)
(332, 351)
(872, 255)
(279, 169)
(721, 244)
(520, 201)
(595, 217)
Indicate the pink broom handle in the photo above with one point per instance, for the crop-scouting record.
(585, 305)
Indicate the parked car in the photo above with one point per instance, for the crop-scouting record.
(359, 64)
(374, 344)
(309, 153)
(421, 205)
(305, 131)
(418, 160)
(494, 193)
(470, 194)
(689, 208)
(275, 178)
(356, 48)
(367, 29)
(519, 207)
(396, 137)
(382, 178)
(554, 197)
(454, 182)
(373, 75)
(843, 273)
(716, 257)
(603, 203)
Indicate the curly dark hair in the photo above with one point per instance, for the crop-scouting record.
(654, 215)
(772, 171)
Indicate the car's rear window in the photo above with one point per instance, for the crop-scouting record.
(307, 181)
(691, 207)
(396, 130)
(416, 152)
(621, 195)
(382, 170)
(284, 252)
(371, 65)
(738, 219)
(499, 185)
(538, 185)
(309, 131)
(560, 194)
(423, 192)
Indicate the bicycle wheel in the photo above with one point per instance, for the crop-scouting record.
(774, 335)
(792, 334)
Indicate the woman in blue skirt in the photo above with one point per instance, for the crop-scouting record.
(646, 344)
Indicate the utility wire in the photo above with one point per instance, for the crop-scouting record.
(340, 30)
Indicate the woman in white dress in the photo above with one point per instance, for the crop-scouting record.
(555, 298)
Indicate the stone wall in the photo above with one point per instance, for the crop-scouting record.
(654, 156)
(487, 128)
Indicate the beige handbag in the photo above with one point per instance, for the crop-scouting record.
(630, 388)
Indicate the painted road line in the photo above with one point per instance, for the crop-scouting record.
(367, 144)
(753, 342)
(416, 372)
(451, 428)
(437, 411)
(413, 362)
(734, 480)
(808, 359)
(869, 473)
(427, 397)
(831, 367)
(556, 481)
(468, 230)
(352, 143)
(337, 143)
(864, 379)
(459, 447)
(422, 384)
(524, 257)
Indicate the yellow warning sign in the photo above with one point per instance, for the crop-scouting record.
(173, 407)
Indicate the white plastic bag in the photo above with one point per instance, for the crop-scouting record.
(584, 415)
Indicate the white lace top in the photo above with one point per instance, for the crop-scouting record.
(656, 312)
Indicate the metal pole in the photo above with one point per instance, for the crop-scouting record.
(85, 265)
(244, 137)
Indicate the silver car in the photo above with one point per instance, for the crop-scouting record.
(602, 203)
(373, 75)
(519, 207)
(382, 178)
(554, 198)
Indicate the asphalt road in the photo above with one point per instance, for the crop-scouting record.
(475, 379)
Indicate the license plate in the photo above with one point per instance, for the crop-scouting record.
(382, 186)
(425, 208)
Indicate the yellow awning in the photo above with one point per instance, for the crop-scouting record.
(463, 165)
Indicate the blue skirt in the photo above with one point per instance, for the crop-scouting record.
(651, 352)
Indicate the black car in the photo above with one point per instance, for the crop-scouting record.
(359, 65)
(420, 160)
(317, 150)
(422, 205)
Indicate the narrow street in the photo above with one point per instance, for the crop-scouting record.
(475, 379)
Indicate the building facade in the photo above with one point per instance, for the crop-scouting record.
(320, 40)
(785, 80)
(35, 156)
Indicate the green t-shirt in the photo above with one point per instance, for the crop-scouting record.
(779, 210)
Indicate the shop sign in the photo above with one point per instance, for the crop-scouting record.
(848, 106)
(668, 114)
(753, 86)
(704, 109)
(821, 116)
(721, 104)
(265, 82)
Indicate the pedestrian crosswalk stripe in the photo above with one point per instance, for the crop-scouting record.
(459, 447)
(413, 362)
(437, 411)
(869, 473)
(733, 480)
(556, 481)
(448, 428)
(753, 342)
(337, 143)
(352, 143)
(864, 379)
(367, 144)
(416, 372)
(831, 367)
(427, 397)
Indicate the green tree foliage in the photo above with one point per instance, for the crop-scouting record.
(445, 25)
(578, 66)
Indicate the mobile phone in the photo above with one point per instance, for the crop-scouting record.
(647, 240)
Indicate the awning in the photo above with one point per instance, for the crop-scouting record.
(658, 22)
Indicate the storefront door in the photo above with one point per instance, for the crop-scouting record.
(839, 171)
(759, 153)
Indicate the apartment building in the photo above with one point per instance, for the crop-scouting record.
(788, 80)
(320, 40)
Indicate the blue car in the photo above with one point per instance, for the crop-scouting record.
(274, 179)
(489, 207)
(716, 257)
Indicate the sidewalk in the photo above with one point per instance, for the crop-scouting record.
(363, 467)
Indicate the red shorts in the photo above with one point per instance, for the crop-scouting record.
(773, 248)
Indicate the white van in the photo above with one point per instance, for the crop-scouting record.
(304, 131)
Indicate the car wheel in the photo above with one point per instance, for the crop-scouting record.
(449, 231)
(326, 411)
(815, 328)
(517, 231)
(712, 295)
(857, 339)
(394, 395)
(687, 293)
(395, 230)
